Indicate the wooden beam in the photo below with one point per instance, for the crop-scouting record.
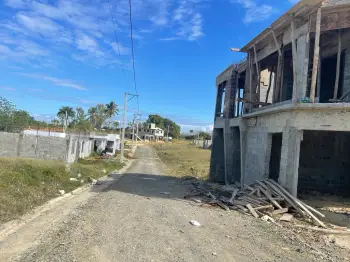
(316, 56)
(268, 90)
(336, 85)
(257, 72)
(276, 42)
(294, 55)
(279, 76)
(250, 76)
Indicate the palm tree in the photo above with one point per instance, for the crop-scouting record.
(66, 114)
(93, 115)
(111, 109)
(80, 114)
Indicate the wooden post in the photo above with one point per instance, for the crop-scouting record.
(279, 76)
(250, 76)
(257, 72)
(316, 56)
(336, 85)
(276, 42)
(268, 90)
(294, 55)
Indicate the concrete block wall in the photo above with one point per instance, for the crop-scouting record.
(257, 154)
(44, 147)
(54, 148)
(325, 162)
(8, 144)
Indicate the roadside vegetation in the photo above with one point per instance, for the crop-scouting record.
(183, 159)
(28, 183)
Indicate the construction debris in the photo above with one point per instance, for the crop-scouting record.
(264, 199)
(195, 223)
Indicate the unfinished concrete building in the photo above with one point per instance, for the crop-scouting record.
(284, 112)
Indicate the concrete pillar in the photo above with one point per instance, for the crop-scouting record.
(289, 164)
(228, 149)
(346, 78)
(217, 160)
(302, 64)
(243, 141)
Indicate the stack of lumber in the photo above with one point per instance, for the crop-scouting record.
(263, 199)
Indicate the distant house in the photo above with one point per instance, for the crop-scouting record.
(147, 132)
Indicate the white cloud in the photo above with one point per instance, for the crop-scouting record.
(37, 24)
(254, 12)
(8, 88)
(120, 49)
(187, 21)
(56, 81)
(16, 3)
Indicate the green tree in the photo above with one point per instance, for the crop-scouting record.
(66, 114)
(163, 123)
(79, 114)
(111, 109)
(92, 112)
(6, 112)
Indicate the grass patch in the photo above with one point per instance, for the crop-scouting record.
(184, 159)
(28, 183)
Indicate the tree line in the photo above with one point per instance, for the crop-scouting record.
(95, 118)
(14, 120)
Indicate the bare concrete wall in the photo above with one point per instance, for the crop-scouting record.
(8, 144)
(44, 147)
(258, 154)
(325, 162)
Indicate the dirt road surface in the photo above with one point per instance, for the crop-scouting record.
(142, 216)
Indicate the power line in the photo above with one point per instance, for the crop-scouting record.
(133, 53)
(116, 36)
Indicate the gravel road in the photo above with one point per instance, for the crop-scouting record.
(142, 216)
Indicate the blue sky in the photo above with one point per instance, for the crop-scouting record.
(55, 53)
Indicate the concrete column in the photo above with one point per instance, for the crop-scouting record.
(289, 165)
(346, 78)
(228, 148)
(217, 160)
(302, 64)
(243, 142)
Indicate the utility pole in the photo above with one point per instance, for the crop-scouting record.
(133, 129)
(124, 123)
(168, 134)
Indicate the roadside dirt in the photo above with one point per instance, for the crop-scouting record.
(142, 216)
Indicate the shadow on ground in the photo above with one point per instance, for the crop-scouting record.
(153, 186)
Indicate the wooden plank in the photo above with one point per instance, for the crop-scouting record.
(289, 201)
(298, 203)
(252, 211)
(276, 42)
(294, 58)
(280, 211)
(268, 89)
(257, 71)
(316, 56)
(234, 193)
(269, 197)
(269, 207)
(336, 85)
(278, 82)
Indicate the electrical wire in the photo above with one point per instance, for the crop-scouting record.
(116, 36)
(133, 54)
